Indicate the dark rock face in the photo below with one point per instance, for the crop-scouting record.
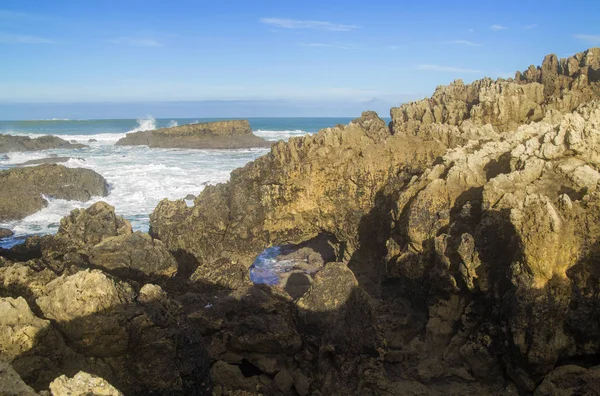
(21, 189)
(10, 143)
(211, 135)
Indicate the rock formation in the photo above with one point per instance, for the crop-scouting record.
(235, 134)
(10, 143)
(22, 190)
(470, 221)
(464, 238)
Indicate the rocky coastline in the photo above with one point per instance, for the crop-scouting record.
(460, 257)
(234, 134)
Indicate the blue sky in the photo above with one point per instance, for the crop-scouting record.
(266, 58)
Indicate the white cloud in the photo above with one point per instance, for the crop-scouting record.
(588, 38)
(529, 27)
(498, 27)
(439, 68)
(23, 39)
(136, 42)
(325, 45)
(464, 42)
(314, 25)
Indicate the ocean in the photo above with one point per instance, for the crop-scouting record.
(139, 177)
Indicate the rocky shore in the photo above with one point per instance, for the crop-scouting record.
(460, 257)
(235, 134)
(10, 143)
(22, 190)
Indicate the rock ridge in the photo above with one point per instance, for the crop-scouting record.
(233, 134)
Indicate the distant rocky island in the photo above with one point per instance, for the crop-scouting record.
(10, 143)
(453, 251)
(234, 134)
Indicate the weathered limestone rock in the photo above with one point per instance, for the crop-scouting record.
(233, 134)
(134, 256)
(570, 380)
(11, 383)
(95, 322)
(82, 384)
(458, 112)
(10, 143)
(21, 189)
(325, 182)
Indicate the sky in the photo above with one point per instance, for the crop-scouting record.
(128, 58)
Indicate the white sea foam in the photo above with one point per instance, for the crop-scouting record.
(279, 135)
(172, 124)
(145, 124)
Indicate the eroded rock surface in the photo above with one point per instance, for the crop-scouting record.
(465, 242)
(233, 134)
(82, 384)
(22, 190)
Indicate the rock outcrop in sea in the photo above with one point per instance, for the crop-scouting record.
(22, 190)
(464, 244)
(234, 134)
(10, 143)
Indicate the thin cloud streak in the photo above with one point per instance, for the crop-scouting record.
(136, 42)
(529, 27)
(464, 42)
(497, 27)
(325, 45)
(588, 38)
(439, 68)
(312, 25)
(23, 39)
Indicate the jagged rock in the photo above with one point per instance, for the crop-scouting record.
(233, 134)
(11, 383)
(458, 112)
(10, 143)
(21, 189)
(321, 183)
(82, 384)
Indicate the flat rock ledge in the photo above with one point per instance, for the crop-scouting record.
(10, 143)
(234, 134)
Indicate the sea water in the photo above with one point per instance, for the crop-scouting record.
(138, 176)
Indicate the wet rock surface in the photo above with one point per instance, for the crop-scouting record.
(233, 134)
(9, 143)
(22, 189)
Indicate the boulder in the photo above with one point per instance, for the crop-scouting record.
(133, 256)
(9, 143)
(83, 229)
(5, 233)
(22, 190)
(82, 384)
(233, 134)
(92, 310)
